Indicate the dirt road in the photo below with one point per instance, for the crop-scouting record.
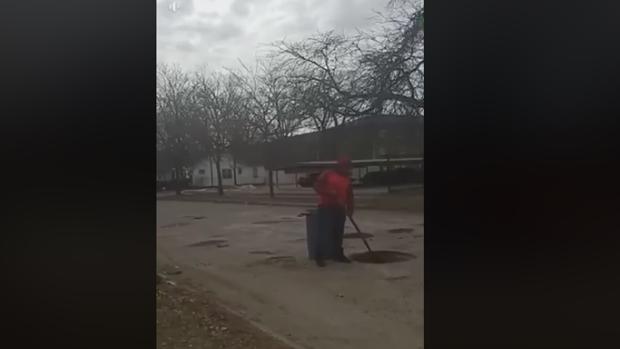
(253, 258)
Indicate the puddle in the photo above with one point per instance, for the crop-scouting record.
(208, 243)
(261, 252)
(172, 225)
(400, 231)
(381, 257)
(357, 235)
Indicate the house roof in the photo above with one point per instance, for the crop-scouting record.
(311, 165)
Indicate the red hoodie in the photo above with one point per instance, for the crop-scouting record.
(334, 189)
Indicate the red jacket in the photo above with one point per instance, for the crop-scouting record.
(334, 189)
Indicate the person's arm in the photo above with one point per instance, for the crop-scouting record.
(350, 201)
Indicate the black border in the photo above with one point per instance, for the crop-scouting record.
(78, 123)
(521, 179)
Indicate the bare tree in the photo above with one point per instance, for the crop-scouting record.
(273, 110)
(175, 146)
(392, 61)
(378, 72)
(324, 67)
(219, 105)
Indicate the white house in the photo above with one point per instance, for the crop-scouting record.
(204, 174)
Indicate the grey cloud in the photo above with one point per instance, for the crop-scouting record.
(185, 46)
(224, 31)
(209, 30)
(195, 36)
(241, 7)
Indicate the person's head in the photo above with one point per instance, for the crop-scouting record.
(344, 166)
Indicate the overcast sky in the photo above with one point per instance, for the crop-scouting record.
(216, 33)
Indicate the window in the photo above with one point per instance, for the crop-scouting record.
(255, 172)
(226, 173)
(201, 171)
(239, 170)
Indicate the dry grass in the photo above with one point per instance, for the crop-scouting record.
(191, 319)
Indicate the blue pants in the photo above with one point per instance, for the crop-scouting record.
(331, 221)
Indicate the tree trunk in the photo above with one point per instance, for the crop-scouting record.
(271, 184)
(211, 169)
(220, 187)
(177, 180)
(234, 158)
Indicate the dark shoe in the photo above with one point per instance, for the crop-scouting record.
(343, 259)
(320, 263)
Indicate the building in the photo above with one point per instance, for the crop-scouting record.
(368, 140)
(240, 172)
(373, 137)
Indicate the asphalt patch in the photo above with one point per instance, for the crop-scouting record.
(400, 231)
(381, 257)
(213, 242)
(357, 235)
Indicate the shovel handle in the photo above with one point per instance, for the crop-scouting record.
(360, 233)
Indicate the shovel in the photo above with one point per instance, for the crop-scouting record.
(360, 234)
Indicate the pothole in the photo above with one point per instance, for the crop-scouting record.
(356, 235)
(195, 217)
(268, 222)
(285, 261)
(400, 231)
(213, 242)
(172, 225)
(279, 259)
(397, 278)
(261, 252)
(381, 257)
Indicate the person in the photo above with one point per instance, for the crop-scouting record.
(335, 203)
